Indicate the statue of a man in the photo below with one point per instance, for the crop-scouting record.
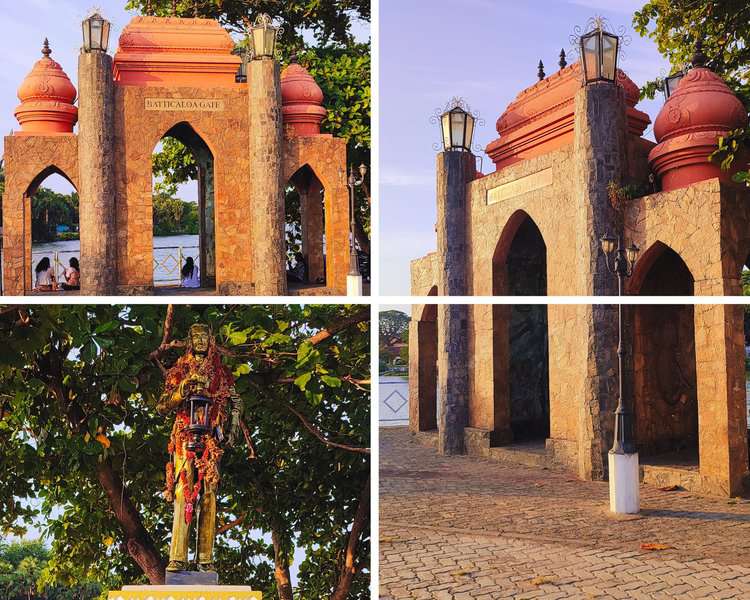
(193, 471)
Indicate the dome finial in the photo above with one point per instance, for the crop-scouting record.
(46, 49)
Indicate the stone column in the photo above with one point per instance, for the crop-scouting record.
(96, 163)
(454, 172)
(720, 379)
(266, 205)
(453, 376)
(599, 156)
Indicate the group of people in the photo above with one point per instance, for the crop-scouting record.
(46, 280)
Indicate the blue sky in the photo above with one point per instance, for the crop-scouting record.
(485, 51)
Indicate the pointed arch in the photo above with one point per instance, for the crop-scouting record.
(53, 169)
(170, 258)
(305, 227)
(423, 365)
(661, 271)
(520, 334)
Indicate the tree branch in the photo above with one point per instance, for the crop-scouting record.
(227, 526)
(319, 434)
(137, 540)
(358, 317)
(349, 569)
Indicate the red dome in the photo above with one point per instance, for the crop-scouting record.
(301, 101)
(688, 125)
(47, 98)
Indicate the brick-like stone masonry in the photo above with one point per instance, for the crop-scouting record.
(467, 528)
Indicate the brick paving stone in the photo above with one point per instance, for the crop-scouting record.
(465, 527)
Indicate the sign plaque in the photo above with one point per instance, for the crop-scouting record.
(185, 104)
(529, 183)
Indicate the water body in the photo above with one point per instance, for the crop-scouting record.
(168, 258)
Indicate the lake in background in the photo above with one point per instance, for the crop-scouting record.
(169, 256)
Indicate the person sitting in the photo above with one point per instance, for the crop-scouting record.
(45, 276)
(189, 272)
(72, 275)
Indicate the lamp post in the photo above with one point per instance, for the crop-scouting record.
(354, 277)
(624, 475)
(599, 49)
(95, 33)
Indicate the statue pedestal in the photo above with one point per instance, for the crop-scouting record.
(191, 578)
(185, 592)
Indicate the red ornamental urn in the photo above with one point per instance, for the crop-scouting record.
(47, 98)
(301, 101)
(688, 127)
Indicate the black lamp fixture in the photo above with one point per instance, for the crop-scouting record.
(200, 420)
(457, 126)
(599, 49)
(95, 33)
(244, 54)
(263, 37)
(671, 82)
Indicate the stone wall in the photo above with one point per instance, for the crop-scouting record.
(29, 159)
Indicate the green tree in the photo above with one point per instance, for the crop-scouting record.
(173, 216)
(722, 28)
(50, 209)
(79, 432)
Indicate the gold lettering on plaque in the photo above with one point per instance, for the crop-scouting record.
(529, 183)
(195, 104)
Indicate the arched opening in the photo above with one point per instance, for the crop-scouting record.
(520, 335)
(664, 367)
(305, 230)
(427, 370)
(52, 231)
(184, 229)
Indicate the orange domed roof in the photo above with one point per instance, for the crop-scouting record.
(301, 100)
(163, 51)
(47, 96)
(541, 118)
(688, 126)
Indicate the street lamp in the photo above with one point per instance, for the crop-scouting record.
(263, 35)
(95, 33)
(624, 475)
(354, 277)
(457, 125)
(599, 53)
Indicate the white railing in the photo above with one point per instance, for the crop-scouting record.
(168, 262)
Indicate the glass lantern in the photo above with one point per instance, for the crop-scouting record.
(599, 55)
(95, 33)
(263, 36)
(458, 129)
(200, 420)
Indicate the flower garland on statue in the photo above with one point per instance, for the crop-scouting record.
(220, 387)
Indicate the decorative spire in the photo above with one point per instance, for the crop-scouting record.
(293, 59)
(45, 49)
(699, 58)
(563, 63)
(540, 71)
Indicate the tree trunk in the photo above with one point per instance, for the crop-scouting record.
(281, 568)
(349, 569)
(137, 539)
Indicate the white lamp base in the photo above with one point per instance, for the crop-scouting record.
(354, 285)
(624, 484)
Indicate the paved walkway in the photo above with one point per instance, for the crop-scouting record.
(458, 527)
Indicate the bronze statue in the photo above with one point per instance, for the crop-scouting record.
(201, 389)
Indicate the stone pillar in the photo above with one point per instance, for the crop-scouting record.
(599, 156)
(266, 204)
(453, 376)
(311, 215)
(96, 161)
(454, 171)
(720, 378)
